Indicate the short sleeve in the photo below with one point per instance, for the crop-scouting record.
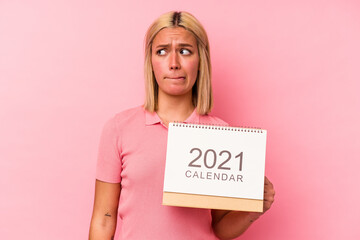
(108, 168)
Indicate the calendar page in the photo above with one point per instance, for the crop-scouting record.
(215, 167)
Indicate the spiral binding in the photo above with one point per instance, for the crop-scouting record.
(217, 127)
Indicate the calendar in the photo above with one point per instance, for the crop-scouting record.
(215, 167)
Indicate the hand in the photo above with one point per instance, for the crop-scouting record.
(231, 224)
(269, 194)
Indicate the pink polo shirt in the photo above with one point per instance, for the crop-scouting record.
(132, 151)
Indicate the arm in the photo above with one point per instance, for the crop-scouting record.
(231, 224)
(103, 221)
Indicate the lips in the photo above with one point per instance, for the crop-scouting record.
(176, 78)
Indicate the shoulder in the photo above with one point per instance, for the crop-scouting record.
(126, 117)
(129, 113)
(211, 119)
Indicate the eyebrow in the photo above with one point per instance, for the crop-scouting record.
(180, 44)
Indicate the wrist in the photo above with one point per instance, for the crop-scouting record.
(253, 216)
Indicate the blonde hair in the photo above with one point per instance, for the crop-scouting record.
(202, 96)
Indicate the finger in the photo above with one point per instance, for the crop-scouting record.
(269, 188)
(267, 181)
(269, 198)
(270, 193)
(267, 206)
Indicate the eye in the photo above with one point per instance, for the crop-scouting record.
(185, 52)
(160, 52)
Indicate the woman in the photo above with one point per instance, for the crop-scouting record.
(133, 144)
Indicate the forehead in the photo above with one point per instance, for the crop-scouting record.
(167, 35)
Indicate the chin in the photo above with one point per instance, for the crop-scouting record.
(177, 92)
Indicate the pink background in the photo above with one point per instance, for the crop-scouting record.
(291, 67)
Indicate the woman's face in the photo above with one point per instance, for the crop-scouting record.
(175, 61)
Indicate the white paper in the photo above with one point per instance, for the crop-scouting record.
(204, 176)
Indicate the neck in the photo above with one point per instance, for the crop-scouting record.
(174, 108)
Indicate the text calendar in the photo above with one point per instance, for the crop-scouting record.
(215, 167)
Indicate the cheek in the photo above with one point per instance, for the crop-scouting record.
(157, 68)
(193, 67)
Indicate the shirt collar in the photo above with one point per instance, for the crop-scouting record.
(153, 118)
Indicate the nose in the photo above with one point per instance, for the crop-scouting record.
(174, 63)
